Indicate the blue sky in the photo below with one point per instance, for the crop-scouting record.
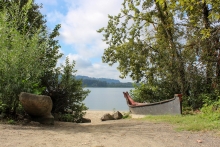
(79, 40)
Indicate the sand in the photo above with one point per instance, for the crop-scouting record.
(114, 133)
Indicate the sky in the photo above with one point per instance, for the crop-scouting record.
(79, 40)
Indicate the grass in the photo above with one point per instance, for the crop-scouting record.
(197, 122)
(126, 115)
(11, 121)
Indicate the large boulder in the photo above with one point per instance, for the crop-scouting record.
(38, 107)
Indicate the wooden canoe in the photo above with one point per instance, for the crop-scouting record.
(171, 106)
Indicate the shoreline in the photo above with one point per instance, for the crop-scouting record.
(95, 115)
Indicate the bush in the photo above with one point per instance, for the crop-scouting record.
(126, 115)
(211, 111)
(28, 58)
(20, 68)
(187, 111)
(67, 118)
(11, 121)
(65, 91)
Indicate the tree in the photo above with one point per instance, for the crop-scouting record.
(20, 68)
(66, 92)
(28, 19)
(202, 43)
(28, 59)
(166, 44)
(145, 44)
(29, 23)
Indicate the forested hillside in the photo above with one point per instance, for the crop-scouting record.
(102, 82)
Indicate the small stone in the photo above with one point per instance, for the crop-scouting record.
(117, 115)
(84, 120)
(107, 116)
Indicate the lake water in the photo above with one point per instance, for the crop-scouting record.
(106, 99)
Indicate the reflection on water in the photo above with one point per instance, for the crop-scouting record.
(106, 99)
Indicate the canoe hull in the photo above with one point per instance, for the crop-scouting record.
(168, 107)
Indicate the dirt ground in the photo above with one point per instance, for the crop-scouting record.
(115, 133)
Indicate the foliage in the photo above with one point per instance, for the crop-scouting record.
(67, 118)
(32, 21)
(11, 121)
(151, 93)
(28, 59)
(20, 68)
(126, 115)
(211, 110)
(65, 91)
(3, 107)
(187, 111)
(166, 45)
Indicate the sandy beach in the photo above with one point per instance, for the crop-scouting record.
(115, 133)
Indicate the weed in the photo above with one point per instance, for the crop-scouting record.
(11, 121)
(126, 115)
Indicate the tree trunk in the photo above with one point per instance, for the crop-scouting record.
(208, 49)
(163, 16)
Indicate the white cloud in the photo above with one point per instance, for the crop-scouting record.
(55, 17)
(80, 24)
(97, 70)
(80, 21)
(81, 63)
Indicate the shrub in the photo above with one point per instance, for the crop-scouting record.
(20, 68)
(211, 111)
(65, 91)
(126, 115)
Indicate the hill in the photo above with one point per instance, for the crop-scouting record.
(102, 82)
(99, 79)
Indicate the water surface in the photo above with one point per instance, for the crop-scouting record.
(106, 99)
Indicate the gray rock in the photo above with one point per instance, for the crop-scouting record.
(117, 115)
(107, 116)
(84, 120)
(38, 107)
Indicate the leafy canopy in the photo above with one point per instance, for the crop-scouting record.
(170, 45)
